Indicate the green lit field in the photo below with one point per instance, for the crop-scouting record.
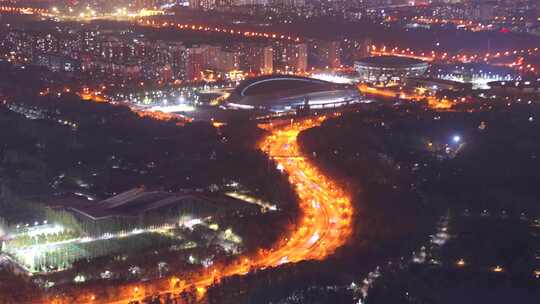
(52, 257)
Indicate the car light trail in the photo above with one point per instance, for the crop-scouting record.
(216, 29)
(323, 227)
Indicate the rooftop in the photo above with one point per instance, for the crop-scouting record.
(272, 83)
(138, 201)
(390, 61)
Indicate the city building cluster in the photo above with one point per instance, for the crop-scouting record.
(477, 15)
(163, 151)
(124, 54)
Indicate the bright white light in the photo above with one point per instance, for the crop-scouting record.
(190, 222)
(333, 78)
(456, 138)
(173, 108)
(240, 106)
(251, 200)
(313, 239)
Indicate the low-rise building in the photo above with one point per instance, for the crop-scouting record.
(140, 208)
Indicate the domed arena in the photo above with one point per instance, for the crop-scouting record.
(284, 93)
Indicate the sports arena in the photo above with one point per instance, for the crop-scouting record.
(285, 93)
(386, 68)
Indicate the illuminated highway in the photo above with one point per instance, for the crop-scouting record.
(324, 226)
(216, 29)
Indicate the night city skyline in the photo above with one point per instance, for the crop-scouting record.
(269, 151)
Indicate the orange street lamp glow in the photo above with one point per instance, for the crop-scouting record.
(325, 225)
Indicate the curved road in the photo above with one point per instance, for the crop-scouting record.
(325, 225)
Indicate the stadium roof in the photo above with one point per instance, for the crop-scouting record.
(389, 61)
(271, 83)
(287, 90)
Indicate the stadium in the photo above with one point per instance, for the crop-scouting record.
(386, 68)
(285, 93)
